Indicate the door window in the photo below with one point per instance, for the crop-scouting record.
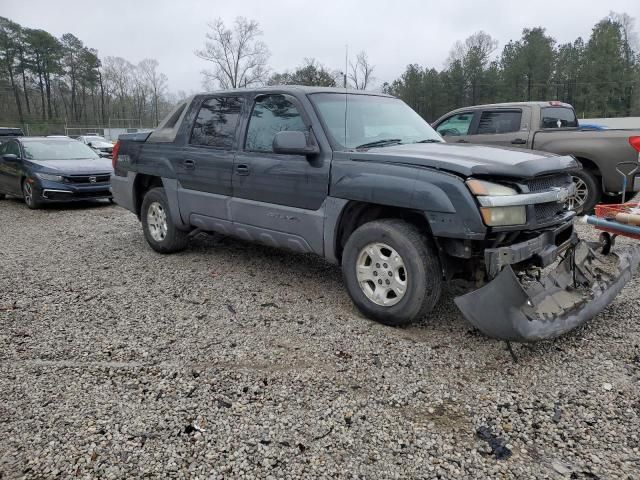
(456, 125)
(12, 148)
(271, 114)
(499, 121)
(216, 123)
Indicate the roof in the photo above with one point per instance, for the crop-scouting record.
(51, 138)
(517, 104)
(299, 89)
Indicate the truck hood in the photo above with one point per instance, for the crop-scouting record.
(73, 167)
(469, 160)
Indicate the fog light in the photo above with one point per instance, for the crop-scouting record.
(504, 216)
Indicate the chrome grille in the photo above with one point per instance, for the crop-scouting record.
(102, 178)
(544, 183)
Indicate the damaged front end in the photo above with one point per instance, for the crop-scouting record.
(526, 308)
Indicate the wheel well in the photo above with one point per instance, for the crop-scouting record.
(590, 166)
(356, 214)
(142, 184)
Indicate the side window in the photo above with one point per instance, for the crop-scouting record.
(12, 148)
(271, 114)
(499, 121)
(216, 123)
(456, 125)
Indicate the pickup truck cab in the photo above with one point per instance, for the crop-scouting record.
(553, 127)
(365, 182)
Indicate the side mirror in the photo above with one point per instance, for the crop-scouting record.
(10, 157)
(294, 143)
(90, 144)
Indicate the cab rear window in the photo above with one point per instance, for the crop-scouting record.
(558, 117)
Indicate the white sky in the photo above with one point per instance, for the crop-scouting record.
(394, 33)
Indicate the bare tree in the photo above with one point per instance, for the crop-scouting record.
(156, 81)
(361, 74)
(239, 58)
(480, 42)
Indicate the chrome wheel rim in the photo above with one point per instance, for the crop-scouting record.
(381, 274)
(157, 221)
(579, 198)
(27, 190)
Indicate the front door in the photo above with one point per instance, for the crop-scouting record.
(10, 171)
(205, 165)
(279, 192)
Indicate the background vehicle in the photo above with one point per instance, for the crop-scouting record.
(101, 145)
(10, 132)
(43, 170)
(364, 181)
(550, 127)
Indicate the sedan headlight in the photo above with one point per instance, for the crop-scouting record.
(498, 216)
(50, 177)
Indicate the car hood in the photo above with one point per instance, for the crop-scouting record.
(469, 160)
(73, 167)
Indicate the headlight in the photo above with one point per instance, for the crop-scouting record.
(50, 177)
(504, 216)
(480, 187)
(497, 216)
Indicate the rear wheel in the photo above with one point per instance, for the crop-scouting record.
(587, 194)
(158, 226)
(30, 195)
(391, 271)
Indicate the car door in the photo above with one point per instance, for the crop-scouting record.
(206, 163)
(502, 127)
(456, 127)
(280, 192)
(10, 170)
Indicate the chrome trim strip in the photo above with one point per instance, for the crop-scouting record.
(554, 194)
(53, 190)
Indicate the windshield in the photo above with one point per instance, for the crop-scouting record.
(57, 150)
(95, 139)
(558, 117)
(371, 121)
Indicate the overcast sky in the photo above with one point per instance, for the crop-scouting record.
(394, 33)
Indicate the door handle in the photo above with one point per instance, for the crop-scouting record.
(242, 169)
(519, 141)
(189, 164)
(463, 141)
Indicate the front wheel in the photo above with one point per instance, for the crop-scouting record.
(30, 195)
(392, 272)
(159, 230)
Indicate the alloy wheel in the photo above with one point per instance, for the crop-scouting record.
(157, 221)
(381, 274)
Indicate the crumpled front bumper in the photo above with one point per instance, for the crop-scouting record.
(576, 290)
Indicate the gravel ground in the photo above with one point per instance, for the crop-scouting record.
(231, 360)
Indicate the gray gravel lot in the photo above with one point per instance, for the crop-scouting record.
(231, 360)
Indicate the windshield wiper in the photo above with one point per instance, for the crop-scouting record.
(381, 143)
(429, 140)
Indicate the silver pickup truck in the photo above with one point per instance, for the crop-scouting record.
(553, 127)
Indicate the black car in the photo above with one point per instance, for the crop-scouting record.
(46, 169)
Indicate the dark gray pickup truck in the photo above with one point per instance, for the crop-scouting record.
(553, 127)
(363, 181)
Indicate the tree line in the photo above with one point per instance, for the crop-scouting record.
(600, 77)
(46, 82)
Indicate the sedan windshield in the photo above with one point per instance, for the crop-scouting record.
(57, 149)
(371, 121)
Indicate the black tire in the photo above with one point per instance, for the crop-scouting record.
(30, 194)
(174, 240)
(423, 271)
(594, 191)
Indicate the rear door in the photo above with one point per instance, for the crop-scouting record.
(206, 165)
(456, 127)
(502, 127)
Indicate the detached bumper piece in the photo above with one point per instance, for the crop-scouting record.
(526, 310)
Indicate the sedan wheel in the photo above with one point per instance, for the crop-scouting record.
(30, 195)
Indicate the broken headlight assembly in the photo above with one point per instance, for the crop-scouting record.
(497, 215)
